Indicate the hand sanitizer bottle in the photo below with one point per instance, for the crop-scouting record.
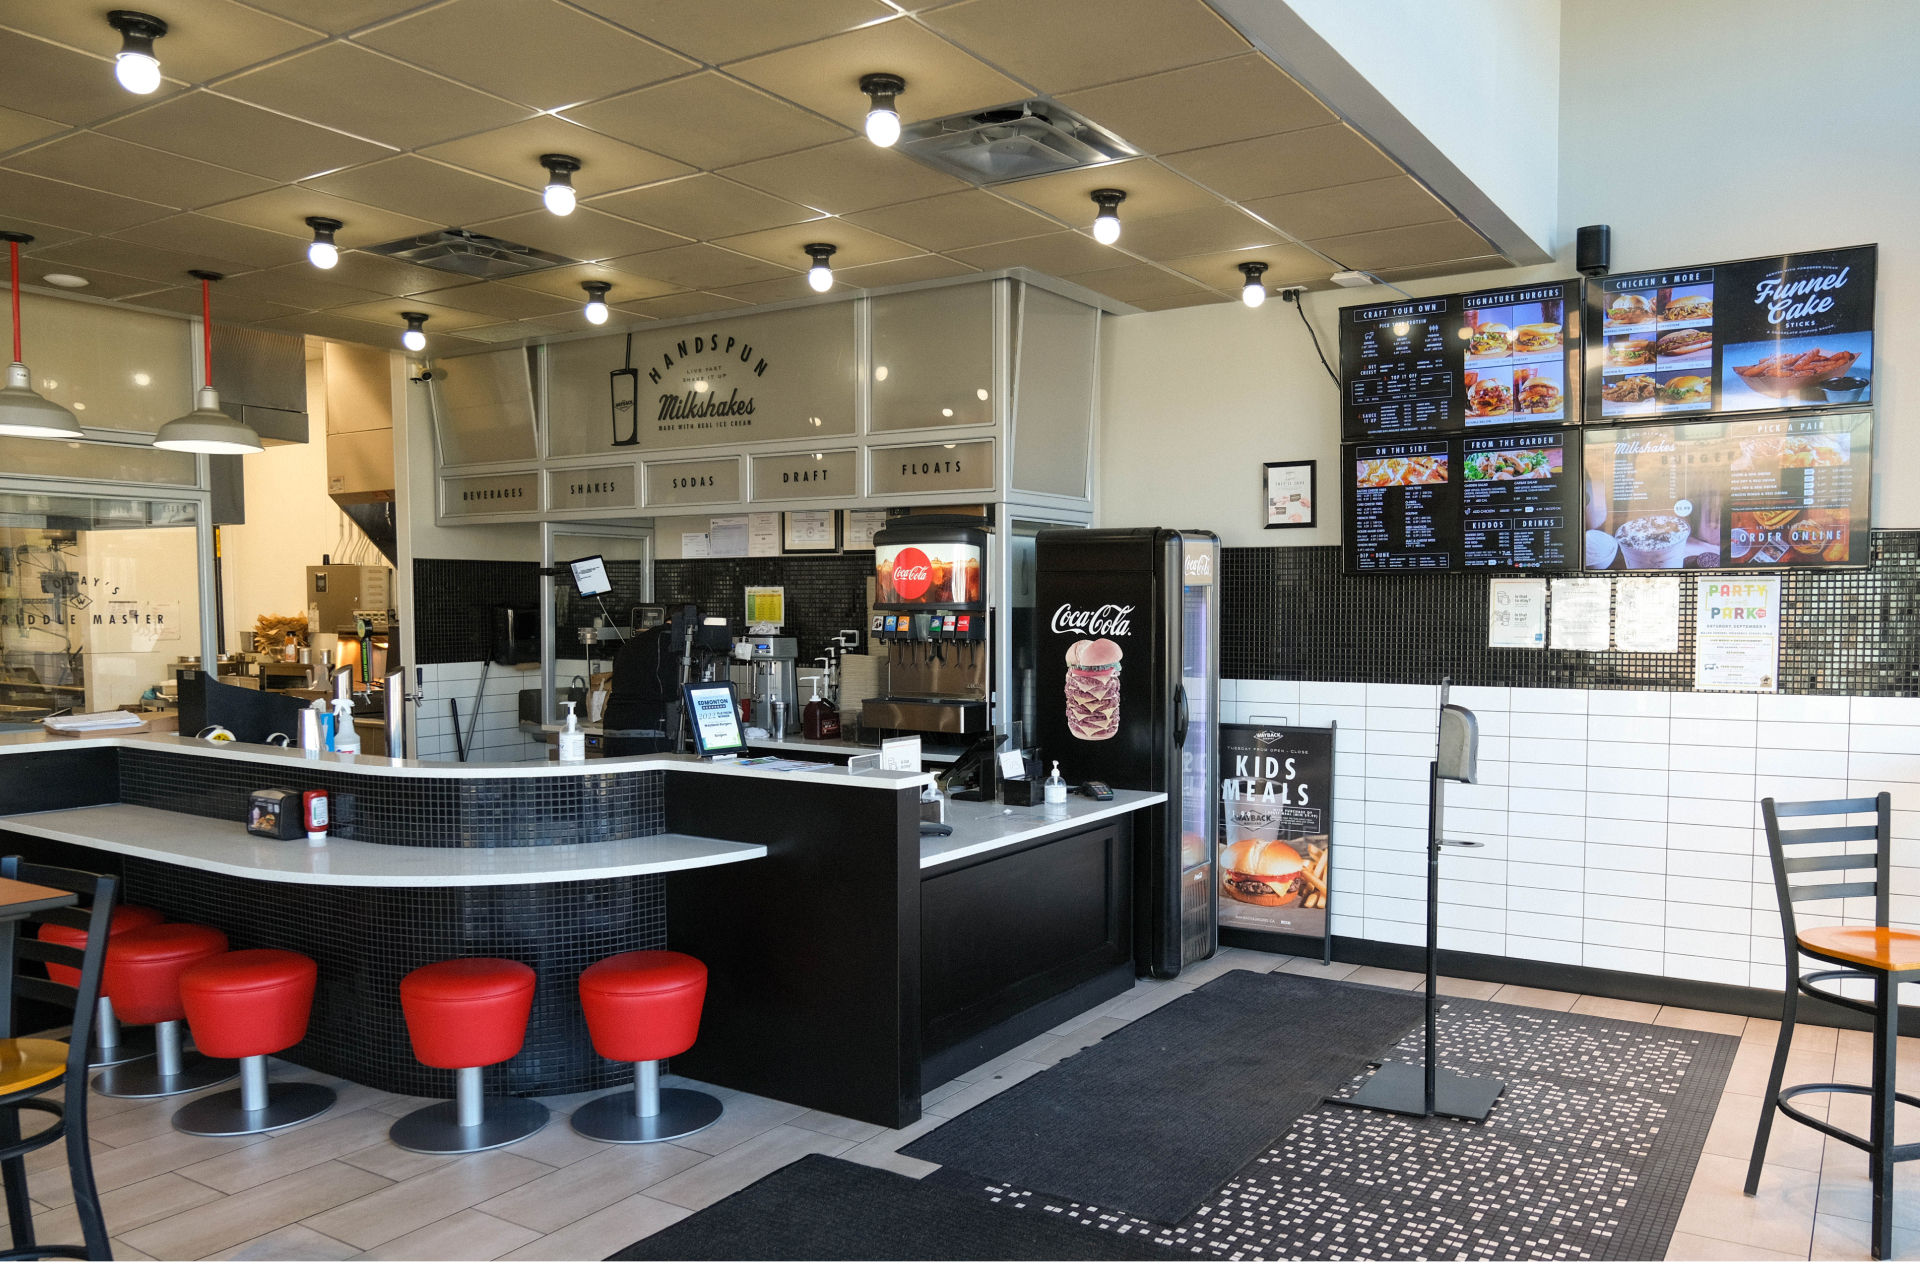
(573, 741)
(1056, 788)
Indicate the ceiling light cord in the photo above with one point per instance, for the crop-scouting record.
(206, 327)
(1293, 296)
(13, 259)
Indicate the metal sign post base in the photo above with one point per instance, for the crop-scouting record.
(1398, 1087)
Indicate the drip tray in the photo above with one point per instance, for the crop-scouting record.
(961, 715)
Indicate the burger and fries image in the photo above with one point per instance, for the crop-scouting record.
(1275, 874)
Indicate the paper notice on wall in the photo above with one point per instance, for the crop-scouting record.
(1736, 638)
(763, 534)
(1646, 615)
(1517, 613)
(166, 619)
(693, 544)
(1582, 611)
(727, 537)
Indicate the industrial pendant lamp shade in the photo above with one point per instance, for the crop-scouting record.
(207, 430)
(24, 414)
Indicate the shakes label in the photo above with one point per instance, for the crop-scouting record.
(1276, 822)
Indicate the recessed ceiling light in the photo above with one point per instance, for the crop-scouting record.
(1106, 225)
(883, 120)
(415, 338)
(1254, 292)
(596, 300)
(820, 275)
(323, 253)
(66, 280)
(559, 190)
(135, 65)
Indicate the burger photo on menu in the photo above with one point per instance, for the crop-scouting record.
(1628, 310)
(1630, 352)
(1683, 391)
(1537, 338)
(1690, 346)
(1492, 340)
(1489, 395)
(1537, 392)
(1687, 302)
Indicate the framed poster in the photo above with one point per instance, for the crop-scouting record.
(1276, 829)
(1289, 489)
(811, 530)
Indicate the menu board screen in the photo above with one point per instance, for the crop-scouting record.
(1496, 501)
(1444, 365)
(1750, 494)
(1760, 334)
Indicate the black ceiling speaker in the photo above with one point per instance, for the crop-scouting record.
(1594, 254)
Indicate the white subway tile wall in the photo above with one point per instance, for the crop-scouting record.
(496, 732)
(1620, 830)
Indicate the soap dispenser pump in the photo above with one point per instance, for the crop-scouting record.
(1056, 788)
(573, 741)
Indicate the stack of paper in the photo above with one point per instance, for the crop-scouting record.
(104, 721)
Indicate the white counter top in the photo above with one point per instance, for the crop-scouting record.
(216, 845)
(22, 742)
(801, 745)
(979, 827)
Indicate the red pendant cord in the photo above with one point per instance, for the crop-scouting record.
(13, 258)
(206, 325)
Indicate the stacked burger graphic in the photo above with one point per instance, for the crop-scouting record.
(1093, 689)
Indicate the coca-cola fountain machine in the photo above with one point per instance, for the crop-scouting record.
(930, 610)
(1127, 691)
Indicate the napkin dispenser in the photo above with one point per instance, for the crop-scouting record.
(276, 813)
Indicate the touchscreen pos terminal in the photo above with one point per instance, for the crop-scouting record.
(715, 719)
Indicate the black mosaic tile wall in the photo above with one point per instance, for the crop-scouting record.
(366, 940)
(1289, 613)
(412, 810)
(825, 594)
(453, 603)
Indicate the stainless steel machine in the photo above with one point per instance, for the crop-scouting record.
(930, 610)
(767, 668)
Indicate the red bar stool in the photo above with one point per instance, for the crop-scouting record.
(644, 1006)
(248, 1005)
(108, 1047)
(143, 975)
(462, 1015)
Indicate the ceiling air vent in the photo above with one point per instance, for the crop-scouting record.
(469, 254)
(1012, 142)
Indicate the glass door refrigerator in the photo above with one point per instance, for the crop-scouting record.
(1127, 688)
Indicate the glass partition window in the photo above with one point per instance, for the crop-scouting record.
(98, 601)
(933, 358)
(579, 652)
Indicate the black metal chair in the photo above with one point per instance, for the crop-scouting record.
(1886, 957)
(31, 1067)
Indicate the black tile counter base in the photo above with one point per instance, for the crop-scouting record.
(366, 940)
(412, 810)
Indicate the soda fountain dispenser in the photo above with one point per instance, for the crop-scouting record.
(930, 610)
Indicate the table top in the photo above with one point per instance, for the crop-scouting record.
(18, 899)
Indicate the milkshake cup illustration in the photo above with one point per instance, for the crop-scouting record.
(1093, 689)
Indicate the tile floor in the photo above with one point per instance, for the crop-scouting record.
(336, 1188)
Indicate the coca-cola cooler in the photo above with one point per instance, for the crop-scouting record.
(1127, 684)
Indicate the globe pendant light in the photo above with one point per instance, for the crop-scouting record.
(820, 275)
(1254, 292)
(207, 430)
(24, 414)
(883, 116)
(1106, 225)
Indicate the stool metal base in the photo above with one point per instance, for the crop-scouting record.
(133, 1044)
(436, 1128)
(142, 1079)
(288, 1103)
(613, 1119)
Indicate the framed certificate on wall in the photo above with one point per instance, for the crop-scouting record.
(1288, 487)
(811, 530)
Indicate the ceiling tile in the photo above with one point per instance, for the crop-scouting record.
(1208, 230)
(955, 220)
(205, 38)
(1292, 162)
(1222, 101)
(112, 255)
(512, 331)
(43, 234)
(336, 17)
(1456, 267)
(18, 129)
(824, 76)
(722, 30)
(704, 206)
(1138, 283)
(298, 285)
(846, 176)
(854, 246)
(900, 272)
(69, 205)
(200, 234)
(1286, 265)
(386, 311)
(234, 134)
(131, 170)
(227, 308)
(700, 267)
(1405, 247)
(1060, 45)
(380, 275)
(413, 185)
(564, 283)
(708, 121)
(285, 210)
(533, 51)
(1349, 208)
(785, 289)
(673, 306)
(585, 234)
(356, 90)
(34, 271)
(1199, 298)
(503, 302)
(1056, 254)
(513, 154)
(1151, 190)
(49, 81)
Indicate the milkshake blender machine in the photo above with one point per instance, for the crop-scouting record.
(930, 610)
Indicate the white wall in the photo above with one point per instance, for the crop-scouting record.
(1194, 400)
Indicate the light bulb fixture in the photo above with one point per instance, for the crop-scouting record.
(1106, 225)
(23, 413)
(415, 338)
(559, 190)
(1254, 292)
(323, 252)
(135, 65)
(820, 275)
(596, 300)
(883, 120)
(207, 430)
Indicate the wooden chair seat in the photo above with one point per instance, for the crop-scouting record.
(1886, 950)
(28, 1063)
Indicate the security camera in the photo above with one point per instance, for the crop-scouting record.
(426, 374)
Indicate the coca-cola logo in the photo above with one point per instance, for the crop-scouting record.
(1106, 620)
(912, 574)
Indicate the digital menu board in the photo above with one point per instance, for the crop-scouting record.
(1772, 493)
(1447, 364)
(1791, 331)
(1496, 501)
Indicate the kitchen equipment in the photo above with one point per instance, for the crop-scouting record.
(771, 664)
(930, 610)
(336, 592)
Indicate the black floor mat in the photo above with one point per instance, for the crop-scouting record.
(822, 1207)
(1157, 1115)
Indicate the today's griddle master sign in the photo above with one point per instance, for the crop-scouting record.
(1276, 791)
